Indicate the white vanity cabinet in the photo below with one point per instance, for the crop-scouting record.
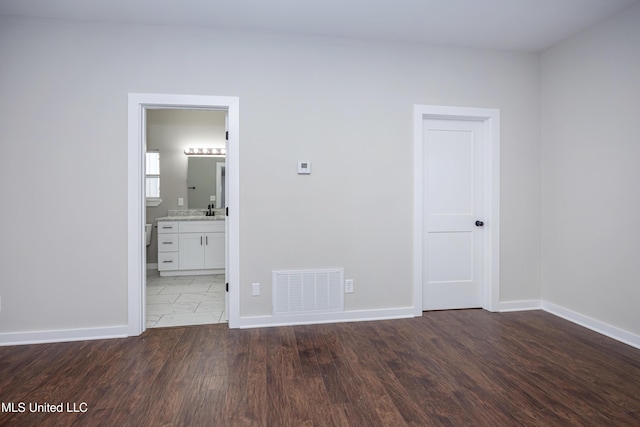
(199, 248)
(167, 246)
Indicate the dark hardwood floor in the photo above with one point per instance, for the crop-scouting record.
(456, 368)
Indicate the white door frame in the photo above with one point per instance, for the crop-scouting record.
(136, 274)
(490, 119)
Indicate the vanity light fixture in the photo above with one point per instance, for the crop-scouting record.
(204, 151)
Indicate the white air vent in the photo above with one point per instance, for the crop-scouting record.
(308, 291)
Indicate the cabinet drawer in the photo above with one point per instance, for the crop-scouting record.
(167, 227)
(201, 226)
(168, 261)
(167, 242)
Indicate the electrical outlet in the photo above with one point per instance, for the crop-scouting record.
(255, 289)
(348, 286)
(180, 201)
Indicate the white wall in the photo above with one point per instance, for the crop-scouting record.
(346, 106)
(591, 173)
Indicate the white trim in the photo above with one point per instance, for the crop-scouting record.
(506, 306)
(320, 318)
(68, 335)
(152, 266)
(138, 103)
(593, 324)
(598, 326)
(136, 216)
(63, 335)
(153, 202)
(490, 118)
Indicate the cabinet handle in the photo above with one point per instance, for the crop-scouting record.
(200, 240)
(167, 262)
(167, 228)
(167, 243)
(206, 240)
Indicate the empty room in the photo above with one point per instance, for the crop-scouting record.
(319, 213)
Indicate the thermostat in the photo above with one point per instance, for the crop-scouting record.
(304, 168)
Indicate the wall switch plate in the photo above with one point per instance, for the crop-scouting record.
(180, 201)
(212, 198)
(255, 289)
(348, 286)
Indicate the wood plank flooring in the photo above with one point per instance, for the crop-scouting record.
(447, 368)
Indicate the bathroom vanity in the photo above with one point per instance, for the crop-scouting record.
(189, 245)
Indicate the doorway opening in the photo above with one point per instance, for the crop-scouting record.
(456, 243)
(139, 106)
(185, 280)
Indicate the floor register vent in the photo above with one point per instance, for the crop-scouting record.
(308, 291)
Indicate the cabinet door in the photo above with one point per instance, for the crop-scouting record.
(214, 250)
(191, 251)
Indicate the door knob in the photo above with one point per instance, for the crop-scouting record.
(479, 223)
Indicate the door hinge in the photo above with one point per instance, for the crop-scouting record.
(226, 211)
(226, 135)
(227, 287)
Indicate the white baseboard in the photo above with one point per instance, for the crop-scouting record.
(313, 319)
(505, 306)
(152, 266)
(593, 324)
(572, 316)
(64, 335)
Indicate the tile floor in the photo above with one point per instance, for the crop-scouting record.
(184, 300)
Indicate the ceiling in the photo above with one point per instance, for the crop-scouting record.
(522, 25)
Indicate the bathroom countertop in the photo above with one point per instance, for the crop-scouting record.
(192, 215)
(191, 218)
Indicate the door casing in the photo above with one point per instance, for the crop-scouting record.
(490, 119)
(136, 210)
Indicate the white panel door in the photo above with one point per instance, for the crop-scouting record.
(226, 222)
(452, 214)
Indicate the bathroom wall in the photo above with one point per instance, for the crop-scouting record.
(170, 132)
(344, 105)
